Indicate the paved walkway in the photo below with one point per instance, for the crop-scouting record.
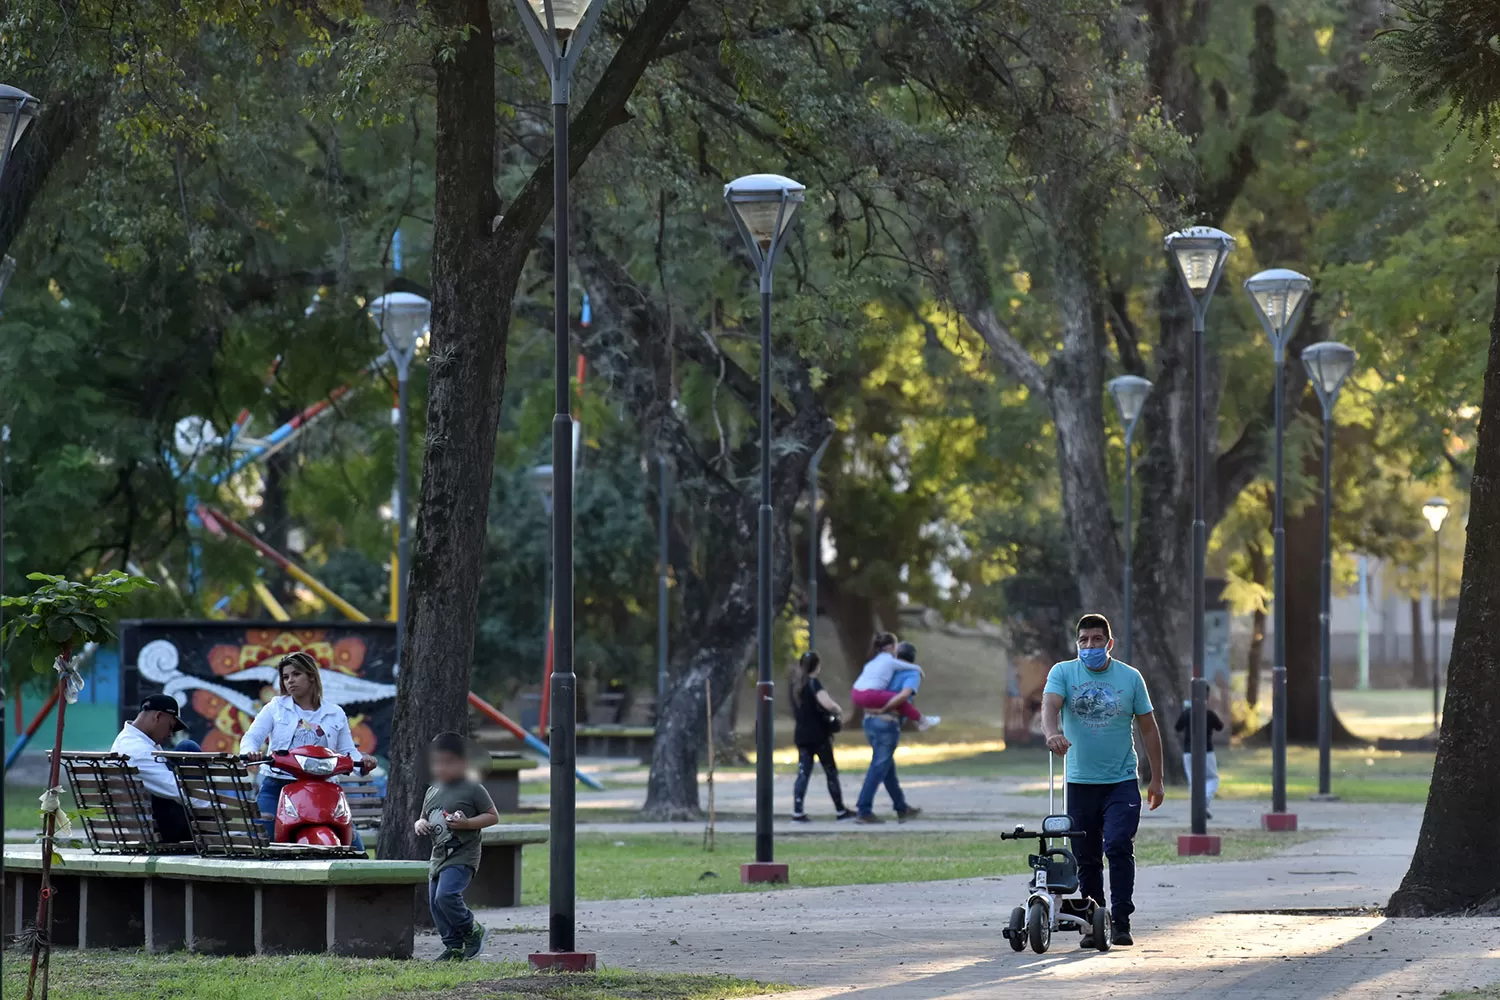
(941, 940)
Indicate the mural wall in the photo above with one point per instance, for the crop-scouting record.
(222, 672)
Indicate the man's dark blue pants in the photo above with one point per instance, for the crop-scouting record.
(1108, 815)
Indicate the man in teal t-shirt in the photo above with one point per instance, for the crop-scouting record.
(1087, 708)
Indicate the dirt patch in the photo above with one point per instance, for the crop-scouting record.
(1314, 911)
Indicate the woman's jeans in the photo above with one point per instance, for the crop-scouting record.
(269, 798)
(450, 914)
(883, 735)
(805, 755)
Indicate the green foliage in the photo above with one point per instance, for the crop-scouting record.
(60, 615)
(1449, 51)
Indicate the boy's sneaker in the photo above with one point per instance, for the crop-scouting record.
(474, 942)
(848, 814)
(912, 812)
(450, 955)
(801, 818)
(928, 721)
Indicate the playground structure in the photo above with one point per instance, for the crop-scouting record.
(195, 440)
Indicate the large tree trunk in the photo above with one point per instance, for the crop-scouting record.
(1258, 576)
(477, 259)
(1453, 870)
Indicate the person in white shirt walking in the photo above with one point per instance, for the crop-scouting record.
(297, 717)
(140, 739)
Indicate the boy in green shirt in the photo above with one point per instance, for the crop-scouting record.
(454, 810)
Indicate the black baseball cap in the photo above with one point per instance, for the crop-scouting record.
(164, 703)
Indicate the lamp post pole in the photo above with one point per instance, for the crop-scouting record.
(1328, 364)
(1130, 393)
(1436, 511)
(662, 512)
(1199, 254)
(813, 546)
(560, 29)
(761, 206)
(1279, 296)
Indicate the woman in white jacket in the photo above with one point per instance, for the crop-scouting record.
(297, 717)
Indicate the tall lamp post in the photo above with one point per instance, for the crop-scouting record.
(762, 206)
(402, 318)
(1199, 254)
(1130, 392)
(1436, 512)
(1327, 364)
(814, 543)
(1279, 296)
(560, 29)
(663, 564)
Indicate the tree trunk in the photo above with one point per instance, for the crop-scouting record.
(477, 258)
(853, 620)
(1258, 574)
(1453, 869)
(1420, 675)
(727, 749)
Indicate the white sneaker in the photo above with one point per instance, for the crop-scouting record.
(928, 721)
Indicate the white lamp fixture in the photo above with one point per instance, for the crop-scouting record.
(1130, 392)
(1328, 363)
(1436, 512)
(17, 110)
(1199, 253)
(762, 206)
(1279, 295)
(562, 16)
(402, 317)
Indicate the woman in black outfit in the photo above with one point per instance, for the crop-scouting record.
(815, 712)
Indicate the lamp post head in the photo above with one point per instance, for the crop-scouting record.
(1199, 253)
(17, 110)
(1328, 363)
(1130, 392)
(762, 206)
(563, 17)
(1278, 295)
(559, 30)
(402, 317)
(1436, 511)
(541, 477)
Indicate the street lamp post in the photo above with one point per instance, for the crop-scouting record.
(1327, 364)
(402, 318)
(1279, 296)
(1130, 392)
(762, 206)
(1436, 512)
(814, 543)
(662, 565)
(1199, 254)
(560, 29)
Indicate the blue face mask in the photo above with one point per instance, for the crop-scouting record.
(1094, 659)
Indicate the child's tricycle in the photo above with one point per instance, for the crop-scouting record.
(1054, 877)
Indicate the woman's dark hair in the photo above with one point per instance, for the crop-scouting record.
(807, 665)
(882, 641)
(906, 652)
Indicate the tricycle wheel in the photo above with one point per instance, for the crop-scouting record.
(1039, 927)
(1016, 932)
(1101, 928)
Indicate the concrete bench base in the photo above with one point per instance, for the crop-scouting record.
(214, 908)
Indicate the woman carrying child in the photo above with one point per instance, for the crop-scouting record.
(814, 709)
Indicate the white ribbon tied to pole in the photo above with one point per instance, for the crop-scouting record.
(69, 672)
(52, 803)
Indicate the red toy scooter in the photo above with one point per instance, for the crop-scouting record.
(313, 809)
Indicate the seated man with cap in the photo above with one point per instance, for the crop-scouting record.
(140, 740)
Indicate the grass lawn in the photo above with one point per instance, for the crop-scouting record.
(1490, 992)
(130, 976)
(1358, 775)
(630, 866)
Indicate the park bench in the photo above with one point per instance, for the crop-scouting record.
(215, 906)
(223, 814)
(615, 741)
(114, 807)
(498, 881)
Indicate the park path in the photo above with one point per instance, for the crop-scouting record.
(941, 940)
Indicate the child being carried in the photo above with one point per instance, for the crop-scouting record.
(889, 682)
